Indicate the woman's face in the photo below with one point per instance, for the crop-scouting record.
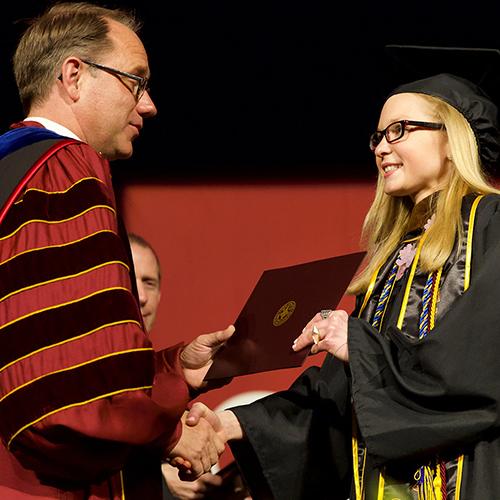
(417, 164)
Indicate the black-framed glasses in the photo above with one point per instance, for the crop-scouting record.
(396, 130)
(140, 82)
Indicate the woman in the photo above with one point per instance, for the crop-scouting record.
(407, 404)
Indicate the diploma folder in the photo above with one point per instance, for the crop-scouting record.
(280, 306)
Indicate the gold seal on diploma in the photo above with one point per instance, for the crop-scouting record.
(284, 313)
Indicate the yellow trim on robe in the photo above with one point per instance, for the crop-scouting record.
(381, 486)
(65, 341)
(122, 484)
(358, 483)
(73, 367)
(60, 192)
(468, 257)
(369, 290)
(434, 298)
(68, 276)
(63, 304)
(58, 221)
(81, 403)
(460, 469)
(58, 246)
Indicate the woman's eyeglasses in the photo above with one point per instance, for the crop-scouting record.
(396, 130)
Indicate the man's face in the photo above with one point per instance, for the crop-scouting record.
(148, 283)
(110, 116)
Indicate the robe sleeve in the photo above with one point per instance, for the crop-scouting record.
(81, 387)
(440, 393)
(297, 442)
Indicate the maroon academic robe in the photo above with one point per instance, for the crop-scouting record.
(87, 408)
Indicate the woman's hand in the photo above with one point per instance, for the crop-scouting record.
(329, 334)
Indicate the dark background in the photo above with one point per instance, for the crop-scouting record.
(291, 89)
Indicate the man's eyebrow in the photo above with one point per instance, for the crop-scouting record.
(140, 70)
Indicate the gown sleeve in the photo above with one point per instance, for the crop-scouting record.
(80, 386)
(440, 393)
(297, 442)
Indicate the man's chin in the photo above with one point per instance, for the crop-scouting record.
(120, 154)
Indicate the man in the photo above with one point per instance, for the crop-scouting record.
(148, 278)
(87, 409)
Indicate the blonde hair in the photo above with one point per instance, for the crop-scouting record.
(66, 29)
(387, 220)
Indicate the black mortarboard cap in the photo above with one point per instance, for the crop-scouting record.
(466, 78)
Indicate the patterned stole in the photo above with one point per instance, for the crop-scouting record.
(384, 296)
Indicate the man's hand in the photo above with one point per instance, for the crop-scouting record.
(199, 447)
(225, 422)
(197, 357)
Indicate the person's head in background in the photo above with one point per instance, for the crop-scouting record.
(148, 278)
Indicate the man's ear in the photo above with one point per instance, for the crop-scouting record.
(70, 77)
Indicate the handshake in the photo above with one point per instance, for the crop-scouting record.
(204, 433)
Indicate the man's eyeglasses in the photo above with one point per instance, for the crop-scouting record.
(396, 130)
(140, 82)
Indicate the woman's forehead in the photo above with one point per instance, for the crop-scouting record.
(406, 106)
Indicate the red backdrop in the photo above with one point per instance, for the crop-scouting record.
(214, 241)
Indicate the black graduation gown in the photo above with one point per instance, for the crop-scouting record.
(412, 399)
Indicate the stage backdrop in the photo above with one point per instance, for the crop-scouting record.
(215, 240)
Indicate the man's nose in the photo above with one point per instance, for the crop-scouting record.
(146, 107)
(142, 294)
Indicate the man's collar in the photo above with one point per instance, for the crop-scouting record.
(53, 126)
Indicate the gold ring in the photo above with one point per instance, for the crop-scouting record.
(315, 334)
